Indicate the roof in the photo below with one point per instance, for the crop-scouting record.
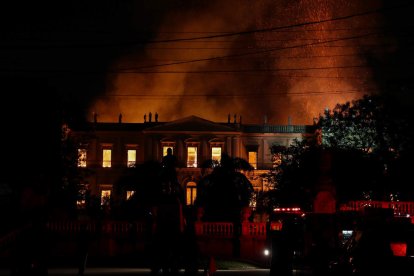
(195, 124)
(192, 123)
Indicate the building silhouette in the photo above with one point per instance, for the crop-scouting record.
(193, 140)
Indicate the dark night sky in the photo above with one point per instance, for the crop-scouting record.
(77, 57)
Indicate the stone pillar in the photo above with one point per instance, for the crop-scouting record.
(229, 146)
(235, 147)
(205, 151)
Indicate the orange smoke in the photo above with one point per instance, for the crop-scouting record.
(298, 79)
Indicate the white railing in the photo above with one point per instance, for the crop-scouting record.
(217, 229)
(223, 229)
(400, 207)
(109, 227)
(254, 229)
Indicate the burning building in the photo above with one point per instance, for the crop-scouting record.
(114, 148)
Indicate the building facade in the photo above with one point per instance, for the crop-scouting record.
(112, 148)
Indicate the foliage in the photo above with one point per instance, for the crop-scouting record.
(291, 176)
(72, 176)
(150, 181)
(225, 191)
(369, 124)
(370, 142)
(382, 133)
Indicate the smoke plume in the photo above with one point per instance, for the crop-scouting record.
(295, 72)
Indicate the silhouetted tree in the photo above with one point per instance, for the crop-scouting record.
(225, 191)
(375, 129)
(72, 175)
(291, 177)
(146, 180)
(369, 142)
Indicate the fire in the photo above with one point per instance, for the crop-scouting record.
(299, 78)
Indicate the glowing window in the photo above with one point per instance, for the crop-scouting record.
(105, 197)
(216, 154)
(165, 148)
(191, 193)
(81, 197)
(106, 158)
(82, 158)
(132, 158)
(192, 157)
(129, 194)
(253, 158)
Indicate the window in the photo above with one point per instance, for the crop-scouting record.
(191, 193)
(253, 158)
(105, 197)
(81, 197)
(165, 148)
(192, 157)
(129, 194)
(106, 158)
(216, 154)
(216, 148)
(132, 158)
(167, 143)
(82, 158)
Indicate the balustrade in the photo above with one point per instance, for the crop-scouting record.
(218, 229)
(400, 207)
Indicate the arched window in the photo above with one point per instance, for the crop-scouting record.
(191, 193)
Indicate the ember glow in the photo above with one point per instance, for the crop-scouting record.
(295, 72)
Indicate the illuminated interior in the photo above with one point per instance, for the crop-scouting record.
(82, 158)
(253, 158)
(106, 158)
(216, 154)
(105, 197)
(192, 157)
(132, 158)
(129, 194)
(165, 148)
(191, 193)
(81, 198)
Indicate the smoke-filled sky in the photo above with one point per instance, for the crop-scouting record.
(279, 59)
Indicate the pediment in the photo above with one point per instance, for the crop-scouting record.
(191, 123)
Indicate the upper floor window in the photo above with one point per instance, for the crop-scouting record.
(82, 158)
(216, 154)
(165, 150)
(192, 157)
(131, 158)
(168, 143)
(106, 158)
(216, 147)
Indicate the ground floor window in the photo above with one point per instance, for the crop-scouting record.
(191, 193)
(253, 158)
(129, 194)
(105, 198)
